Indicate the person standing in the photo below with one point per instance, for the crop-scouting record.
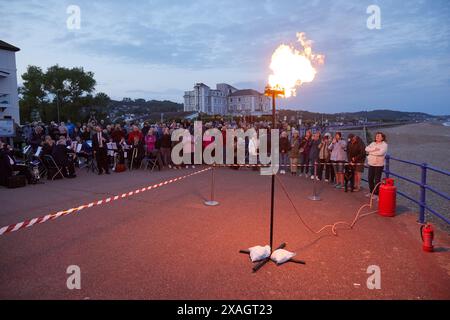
(324, 158)
(166, 145)
(145, 128)
(70, 128)
(305, 146)
(285, 147)
(314, 156)
(135, 133)
(253, 148)
(99, 140)
(294, 152)
(356, 156)
(117, 134)
(339, 157)
(188, 149)
(376, 151)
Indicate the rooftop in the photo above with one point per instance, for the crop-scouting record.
(9, 47)
(245, 92)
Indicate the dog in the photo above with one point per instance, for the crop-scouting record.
(349, 176)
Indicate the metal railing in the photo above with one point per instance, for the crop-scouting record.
(422, 184)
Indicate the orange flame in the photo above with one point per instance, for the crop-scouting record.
(291, 67)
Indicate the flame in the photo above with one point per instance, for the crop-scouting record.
(291, 67)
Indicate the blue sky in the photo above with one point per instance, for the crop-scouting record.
(158, 49)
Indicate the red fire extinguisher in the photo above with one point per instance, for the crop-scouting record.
(387, 198)
(427, 234)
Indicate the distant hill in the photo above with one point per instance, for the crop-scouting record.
(140, 108)
(387, 115)
(374, 115)
(146, 106)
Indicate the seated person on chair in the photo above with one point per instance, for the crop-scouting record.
(48, 146)
(63, 159)
(85, 151)
(150, 142)
(8, 165)
(122, 151)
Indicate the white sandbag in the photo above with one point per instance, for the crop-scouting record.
(258, 253)
(281, 256)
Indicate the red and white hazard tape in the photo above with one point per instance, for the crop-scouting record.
(52, 216)
(318, 164)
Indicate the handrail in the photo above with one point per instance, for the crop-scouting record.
(404, 178)
(439, 170)
(443, 195)
(406, 161)
(422, 203)
(422, 184)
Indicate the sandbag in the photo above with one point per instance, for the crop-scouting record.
(258, 253)
(281, 256)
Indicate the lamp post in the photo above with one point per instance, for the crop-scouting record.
(57, 104)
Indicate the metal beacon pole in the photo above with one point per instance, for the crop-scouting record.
(274, 93)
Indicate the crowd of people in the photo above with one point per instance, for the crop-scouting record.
(314, 155)
(334, 159)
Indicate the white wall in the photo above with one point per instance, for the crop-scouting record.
(8, 85)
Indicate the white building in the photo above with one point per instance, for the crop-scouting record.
(207, 100)
(249, 102)
(9, 100)
(226, 99)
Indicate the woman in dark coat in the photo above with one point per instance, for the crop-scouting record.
(357, 155)
(285, 147)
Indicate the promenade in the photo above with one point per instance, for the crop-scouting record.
(166, 244)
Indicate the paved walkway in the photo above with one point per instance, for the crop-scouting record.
(165, 244)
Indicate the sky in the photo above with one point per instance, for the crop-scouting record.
(158, 49)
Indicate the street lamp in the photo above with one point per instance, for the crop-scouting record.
(57, 103)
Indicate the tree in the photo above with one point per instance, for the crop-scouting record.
(99, 104)
(80, 83)
(101, 100)
(70, 88)
(32, 93)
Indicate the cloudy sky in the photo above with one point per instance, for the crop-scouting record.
(157, 49)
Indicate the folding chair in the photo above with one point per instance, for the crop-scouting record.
(149, 159)
(42, 169)
(50, 164)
